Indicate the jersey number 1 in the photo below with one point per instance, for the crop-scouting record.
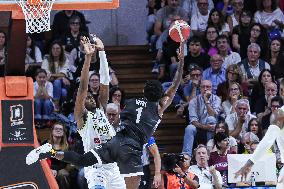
(139, 113)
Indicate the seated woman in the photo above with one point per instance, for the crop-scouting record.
(235, 93)
(60, 169)
(255, 127)
(117, 96)
(222, 127)
(43, 94)
(219, 158)
(57, 68)
(33, 58)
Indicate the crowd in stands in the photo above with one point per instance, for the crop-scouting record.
(232, 82)
(233, 76)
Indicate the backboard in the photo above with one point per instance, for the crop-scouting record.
(10, 5)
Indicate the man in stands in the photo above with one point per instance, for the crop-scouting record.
(200, 108)
(238, 121)
(199, 19)
(209, 177)
(139, 120)
(253, 65)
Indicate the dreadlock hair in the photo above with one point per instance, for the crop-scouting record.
(153, 90)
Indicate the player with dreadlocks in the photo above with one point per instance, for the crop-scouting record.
(139, 120)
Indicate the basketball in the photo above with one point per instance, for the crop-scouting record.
(179, 31)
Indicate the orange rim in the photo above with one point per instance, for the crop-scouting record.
(70, 6)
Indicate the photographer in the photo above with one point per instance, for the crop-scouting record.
(177, 174)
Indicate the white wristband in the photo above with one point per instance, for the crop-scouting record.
(104, 70)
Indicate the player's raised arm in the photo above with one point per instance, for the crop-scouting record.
(104, 75)
(84, 81)
(171, 91)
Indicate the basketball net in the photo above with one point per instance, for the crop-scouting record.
(37, 14)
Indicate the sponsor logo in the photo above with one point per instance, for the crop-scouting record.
(18, 135)
(16, 115)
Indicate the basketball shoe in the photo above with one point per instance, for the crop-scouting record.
(42, 152)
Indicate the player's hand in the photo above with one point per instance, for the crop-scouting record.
(157, 179)
(98, 42)
(243, 172)
(88, 47)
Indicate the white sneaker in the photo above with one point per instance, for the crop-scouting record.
(33, 156)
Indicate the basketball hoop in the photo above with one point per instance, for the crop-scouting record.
(37, 14)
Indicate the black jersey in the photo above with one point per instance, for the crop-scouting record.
(140, 118)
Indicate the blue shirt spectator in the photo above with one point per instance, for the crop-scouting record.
(215, 73)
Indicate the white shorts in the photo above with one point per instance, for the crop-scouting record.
(106, 175)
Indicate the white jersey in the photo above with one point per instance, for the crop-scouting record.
(97, 130)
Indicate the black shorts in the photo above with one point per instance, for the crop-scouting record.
(124, 150)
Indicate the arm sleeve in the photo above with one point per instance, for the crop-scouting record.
(267, 141)
(85, 160)
(104, 69)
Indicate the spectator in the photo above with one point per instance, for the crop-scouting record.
(258, 90)
(181, 177)
(58, 140)
(3, 51)
(117, 96)
(252, 65)
(209, 177)
(238, 121)
(200, 108)
(192, 8)
(222, 127)
(269, 15)
(276, 102)
(255, 127)
(234, 19)
(241, 33)
(262, 105)
(210, 40)
(112, 114)
(258, 34)
(276, 58)
(43, 94)
(215, 73)
(281, 89)
(93, 91)
(235, 93)
(165, 16)
(191, 88)
(151, 147)
(195, 55)
(233, 74)
(246, 141)
(56, 66)
(71, 38)
(217, 19)
(33, 58)
(218, 158)
(223, 46)
(199, 20)
(253, 146)
(60, 23)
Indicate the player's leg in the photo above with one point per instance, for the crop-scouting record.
(115, 180)
(46, 151)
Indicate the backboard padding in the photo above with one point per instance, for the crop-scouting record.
(9, 5)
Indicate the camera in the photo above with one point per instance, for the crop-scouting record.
(171, 160)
